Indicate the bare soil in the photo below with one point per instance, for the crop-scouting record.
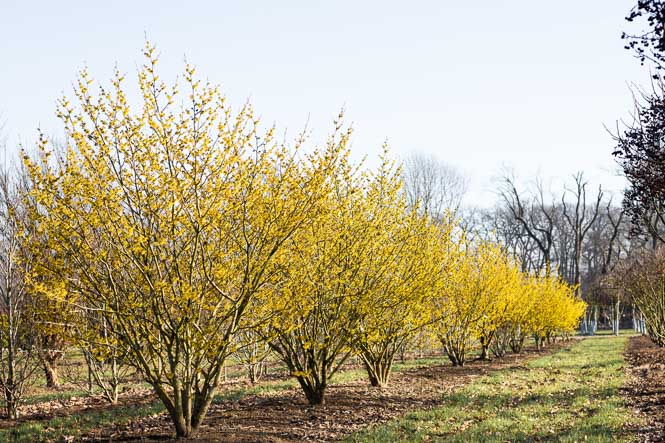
(645, 391)
(286, 417)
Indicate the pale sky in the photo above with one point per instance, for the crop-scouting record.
(483, 84)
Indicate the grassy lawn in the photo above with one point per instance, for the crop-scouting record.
(572, 395)
(605, 332)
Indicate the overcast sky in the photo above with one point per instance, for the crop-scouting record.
(484, 84)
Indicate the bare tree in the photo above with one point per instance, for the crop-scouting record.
(534, 215)
(433, 185)
(498, 225)
(17, 359)
(579, 217)
(581, 237)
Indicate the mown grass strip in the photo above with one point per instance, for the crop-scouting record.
(570, 396)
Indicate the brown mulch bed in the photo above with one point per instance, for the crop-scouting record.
(286, 417)
(645, 391)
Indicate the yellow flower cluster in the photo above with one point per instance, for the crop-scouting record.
(177, 227)
(487, 300)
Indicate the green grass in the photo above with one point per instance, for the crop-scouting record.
(572, 395)
(50, 396)
(626, 332)
(64, 428)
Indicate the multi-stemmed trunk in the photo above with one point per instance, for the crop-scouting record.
(378, 373)
(378, 357)
(314, 381)
(517, 340)
(503, 339)
(255, 371)
(187, 404)
(103, 374)
(455, 350)
(312, 366)
(378, 369)
(314, 390)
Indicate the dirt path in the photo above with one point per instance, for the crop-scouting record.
(646, 390)
(285, 416)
